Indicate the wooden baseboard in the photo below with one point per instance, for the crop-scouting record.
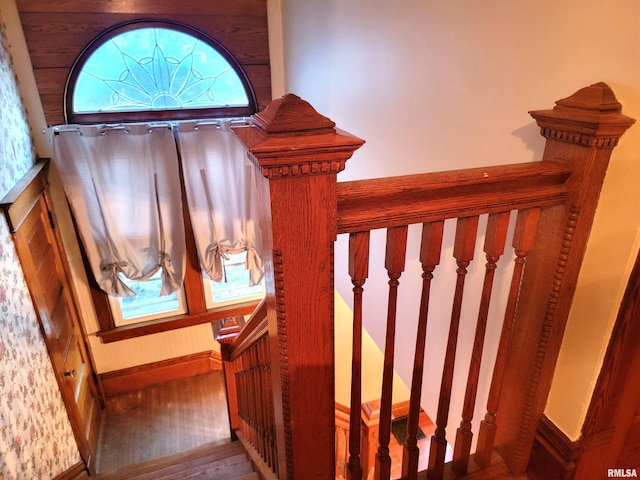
(141, 376)
(76, 472)
(553, 456)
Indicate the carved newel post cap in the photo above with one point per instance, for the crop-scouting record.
(290, 138)
(591, 116)
(290, 114)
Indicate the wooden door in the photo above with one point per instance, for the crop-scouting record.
(40, 252)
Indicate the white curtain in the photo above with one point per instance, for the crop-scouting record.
(220, 185)
(123, 185)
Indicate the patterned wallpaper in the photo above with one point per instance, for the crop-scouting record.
(36, 441)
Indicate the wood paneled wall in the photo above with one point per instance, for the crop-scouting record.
(56, 31)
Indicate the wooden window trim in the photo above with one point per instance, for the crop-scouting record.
(173, 323)
(197, 312)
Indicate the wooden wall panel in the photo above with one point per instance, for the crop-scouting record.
(57, 31)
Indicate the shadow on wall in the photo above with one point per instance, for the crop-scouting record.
(530, 136)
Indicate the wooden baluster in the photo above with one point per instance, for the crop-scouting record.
(463, 248)
(265, 400)
(242, 400)
(268, 402)
(429, 258)
(253, 397)
(359, 271)
(247, 387)
(260, 400)
(394, 263)
(494, 243)
(247, 379)
(523, 242)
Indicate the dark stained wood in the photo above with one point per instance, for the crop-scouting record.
(370, 414)
(220, 460)
(343, 426)
(192, 283)
(523, 241)
(41, 254)
(581, 132)
(301, 171)
(251, 409)
(56, 32)
(615, 405)
(19, 201)
(172, 323)
(358, 271)
(630, 455)
(495, 239)
(395, 256)
(266, 473)
(76, 472)
(553, 455)
(142, 376)
(434, 196)
(252, 329)
(430, 251)
(164, 419)
(192, 7)
(463, 249)
(551, 198)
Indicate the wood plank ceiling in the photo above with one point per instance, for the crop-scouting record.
(56, 31)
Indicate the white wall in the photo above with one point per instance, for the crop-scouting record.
(433, 85)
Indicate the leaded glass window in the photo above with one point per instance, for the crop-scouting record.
(150, 71)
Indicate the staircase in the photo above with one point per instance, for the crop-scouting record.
(208, 462)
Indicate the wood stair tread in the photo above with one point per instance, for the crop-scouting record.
(223, 469)
(226, 461)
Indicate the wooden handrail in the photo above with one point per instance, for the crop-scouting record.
(254, 327)
(285, 357)
(436, 196)
(555, 202)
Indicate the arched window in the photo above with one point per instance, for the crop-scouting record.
(155, 70)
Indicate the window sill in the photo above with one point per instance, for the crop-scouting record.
(173, 323)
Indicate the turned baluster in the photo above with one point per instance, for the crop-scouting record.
(242, 399)
(463, 248)
(495, 240)
(271, 452)
(261, 400)
(430, 249)
(358, 271)
(251, 379)
(394, 263)
(523, 242)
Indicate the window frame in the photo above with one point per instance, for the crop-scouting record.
(193, 286)
(197, 312)
(154, 115)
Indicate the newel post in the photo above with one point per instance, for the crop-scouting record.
(581, 131)
(299, 153)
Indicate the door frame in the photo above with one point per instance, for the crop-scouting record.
(32, 189)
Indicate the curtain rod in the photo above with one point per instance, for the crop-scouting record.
(151, 125)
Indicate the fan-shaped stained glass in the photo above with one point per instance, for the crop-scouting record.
(154, 68)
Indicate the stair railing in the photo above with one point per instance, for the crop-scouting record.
(299, 153)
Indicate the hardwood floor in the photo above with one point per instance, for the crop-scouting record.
(161, 420)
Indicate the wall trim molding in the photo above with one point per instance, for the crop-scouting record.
(141, 376)
(75, 472)
(554, 455)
